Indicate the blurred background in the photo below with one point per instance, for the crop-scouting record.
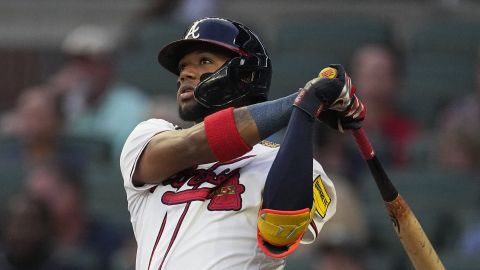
(77, 76)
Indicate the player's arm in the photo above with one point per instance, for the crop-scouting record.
(288, 194)
(172, 151)
(223, 135)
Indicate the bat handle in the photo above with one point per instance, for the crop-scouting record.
(363, 143)
(386, 187)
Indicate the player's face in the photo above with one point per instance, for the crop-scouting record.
(191, 67)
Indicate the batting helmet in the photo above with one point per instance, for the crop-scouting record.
(248, 74)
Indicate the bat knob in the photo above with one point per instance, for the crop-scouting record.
(328, 72)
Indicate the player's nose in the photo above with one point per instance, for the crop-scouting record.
(188, 72)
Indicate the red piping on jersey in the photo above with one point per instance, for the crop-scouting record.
(158, 238)
(312, 223)
(174, 236)
(232, 161)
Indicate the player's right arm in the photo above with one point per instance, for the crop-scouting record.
(170, 152)
(224, 135)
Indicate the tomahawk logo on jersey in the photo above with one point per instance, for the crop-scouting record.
(225, 194)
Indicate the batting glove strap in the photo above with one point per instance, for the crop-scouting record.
(309, 103)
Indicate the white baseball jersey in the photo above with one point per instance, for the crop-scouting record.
(206, 217)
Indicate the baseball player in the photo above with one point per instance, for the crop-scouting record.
(218, 195)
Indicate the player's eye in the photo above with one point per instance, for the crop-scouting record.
(205, 61)
(181, 67)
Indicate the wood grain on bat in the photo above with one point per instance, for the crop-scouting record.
(411, 235)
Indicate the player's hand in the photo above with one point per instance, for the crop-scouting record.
(337, 72)
(331, 90)
(351, 118)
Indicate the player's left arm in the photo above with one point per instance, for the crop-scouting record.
(288, 205)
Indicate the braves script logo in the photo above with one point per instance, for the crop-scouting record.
(192, 32)
(224, 196)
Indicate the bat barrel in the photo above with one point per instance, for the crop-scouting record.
(414, 240)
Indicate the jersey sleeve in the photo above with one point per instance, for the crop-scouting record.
(134, 146)
(325, 200)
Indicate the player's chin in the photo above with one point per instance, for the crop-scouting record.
(192, 111)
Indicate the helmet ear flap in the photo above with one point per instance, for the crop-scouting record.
(222, 87)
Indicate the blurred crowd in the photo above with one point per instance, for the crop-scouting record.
(80, 115)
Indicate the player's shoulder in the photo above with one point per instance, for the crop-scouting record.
(140, 136)
(146, 129)
(156, 123)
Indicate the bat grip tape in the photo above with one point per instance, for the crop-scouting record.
(385, 186)
(364, 145)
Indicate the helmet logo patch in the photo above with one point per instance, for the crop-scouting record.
(192, 32)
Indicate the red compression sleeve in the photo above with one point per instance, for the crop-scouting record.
(223, 136)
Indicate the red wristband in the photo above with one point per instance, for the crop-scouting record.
(223, 136)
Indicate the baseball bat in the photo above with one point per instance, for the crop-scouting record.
(411, 234)
(414, 240)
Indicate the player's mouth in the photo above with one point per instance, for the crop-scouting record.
(185, 92)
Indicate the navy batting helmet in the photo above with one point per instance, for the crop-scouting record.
(248, 74)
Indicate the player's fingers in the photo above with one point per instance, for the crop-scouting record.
(353, 109)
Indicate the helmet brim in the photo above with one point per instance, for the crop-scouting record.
(170, 55)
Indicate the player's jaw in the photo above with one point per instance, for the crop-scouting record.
(188, 108)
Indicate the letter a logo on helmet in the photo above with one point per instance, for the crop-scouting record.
(192, 32)
(247, 74)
